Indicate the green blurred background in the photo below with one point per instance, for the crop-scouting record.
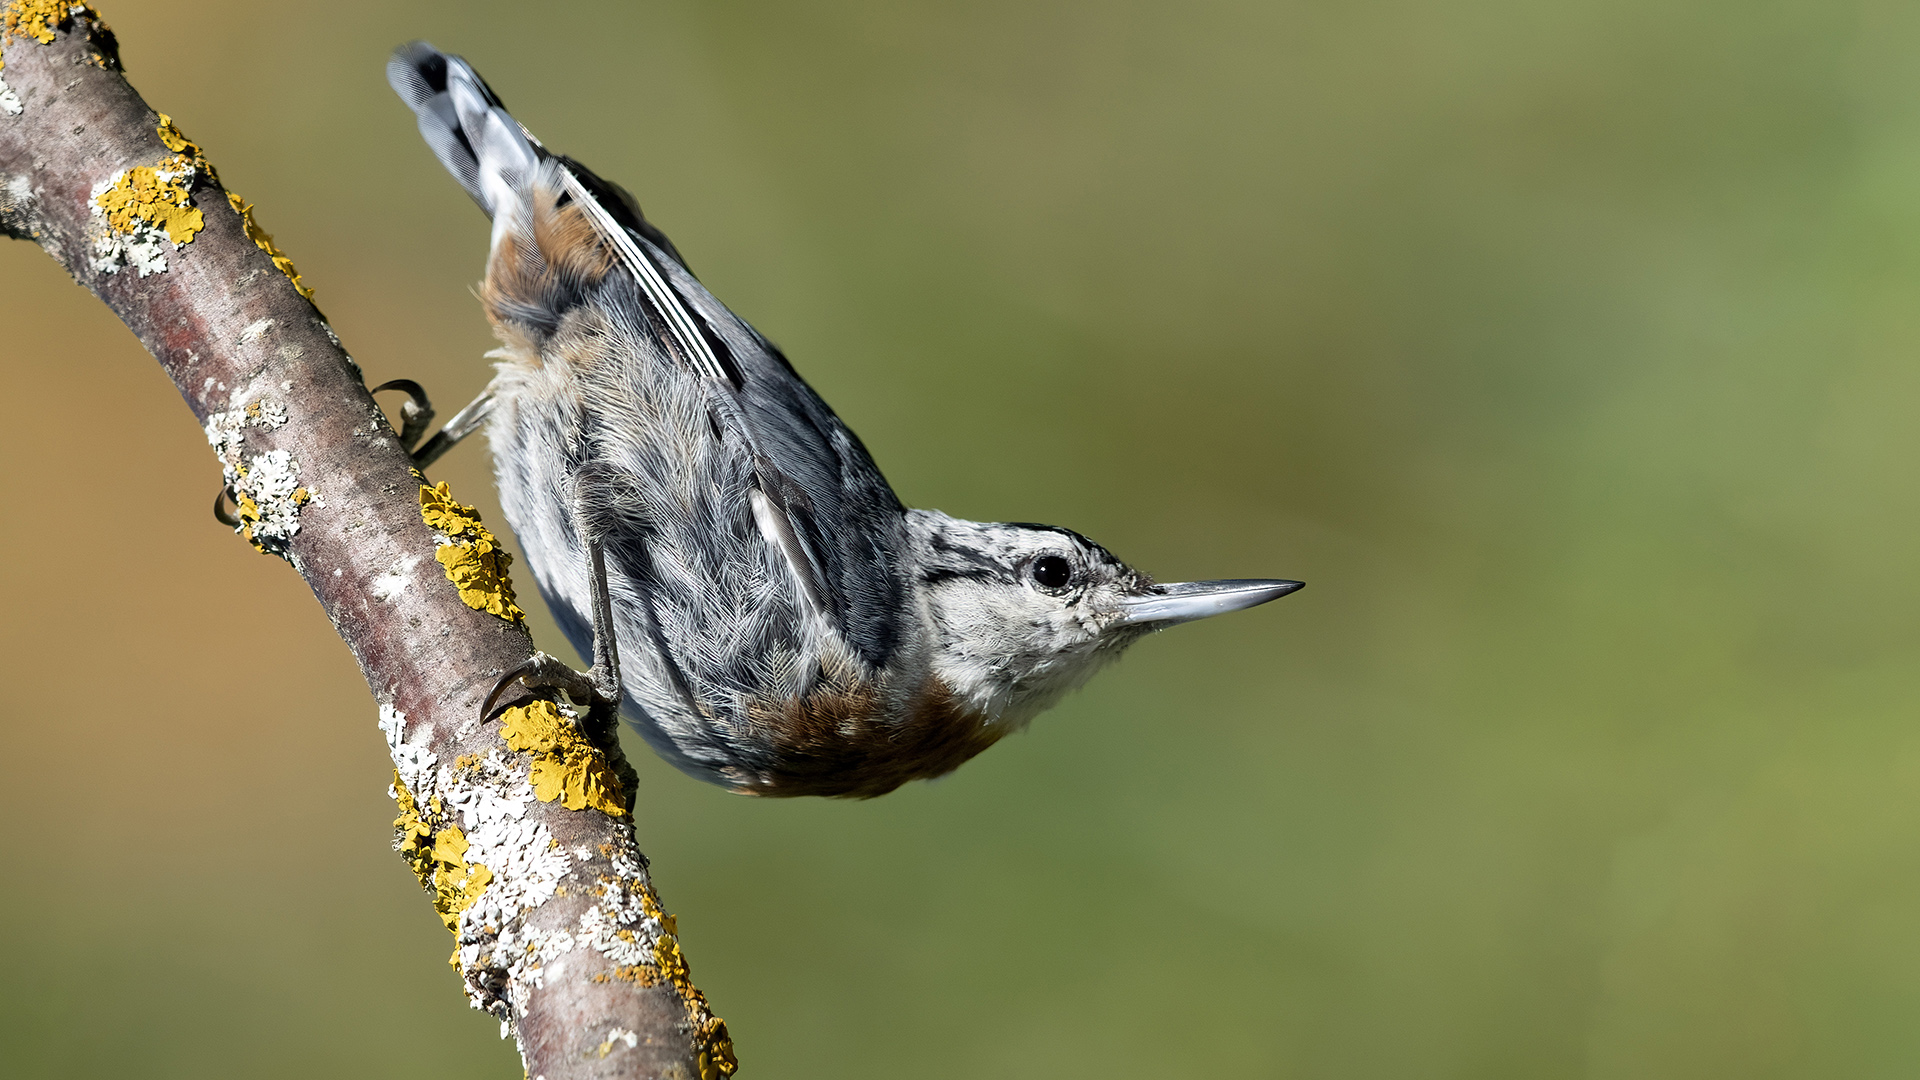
(1567, 350)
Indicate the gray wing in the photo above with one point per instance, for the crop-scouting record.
(847, 526)
(824, 504)
(827, 509)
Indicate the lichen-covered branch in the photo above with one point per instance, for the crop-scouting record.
(519, 825)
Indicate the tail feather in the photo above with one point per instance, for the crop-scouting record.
(532, 197)
(468, 129)
(486, 149)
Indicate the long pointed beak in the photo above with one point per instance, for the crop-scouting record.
(1186, 601)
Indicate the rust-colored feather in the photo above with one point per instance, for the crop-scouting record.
(534, 276)
(837, 741)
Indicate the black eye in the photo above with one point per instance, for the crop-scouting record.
(1051, 572)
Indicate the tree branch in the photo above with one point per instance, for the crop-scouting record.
(519, 826)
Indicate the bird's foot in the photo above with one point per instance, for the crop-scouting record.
(597, 690)
(229, 518)
(416, 414)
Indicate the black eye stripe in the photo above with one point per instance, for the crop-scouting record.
(936, 575)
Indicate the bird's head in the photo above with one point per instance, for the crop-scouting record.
(1020, 614)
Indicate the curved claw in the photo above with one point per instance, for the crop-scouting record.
(220, 513)
(541, 671)
(416, 415)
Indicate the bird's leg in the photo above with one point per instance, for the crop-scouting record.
(464, 423)
(417, 413)
(606, 648)
(598, 688)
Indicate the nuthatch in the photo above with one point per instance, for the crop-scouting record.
(784, 626)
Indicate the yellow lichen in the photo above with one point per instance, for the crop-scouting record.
(667, 959)
(566, 766)
(473, 559)
(437, 856)
(153, 195)
(714, 1050)
(38, 19)
(442, 514)
(456, 883)
(189, 151)
(264, 241)
(638, 974)
(713, 1047)
(248, 512)
(172, 138)
(413, 834)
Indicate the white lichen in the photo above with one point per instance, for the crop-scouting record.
(620, 926)
(224, 434)
(226, 430)
(601, 926)
(395, 580)
(272, 414)
(413, 761)
(272, 481)
(266, 486)
(9, 101)
(503, 959)
(15, 194)
(490, 798)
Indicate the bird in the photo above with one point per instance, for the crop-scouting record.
(757, 601)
